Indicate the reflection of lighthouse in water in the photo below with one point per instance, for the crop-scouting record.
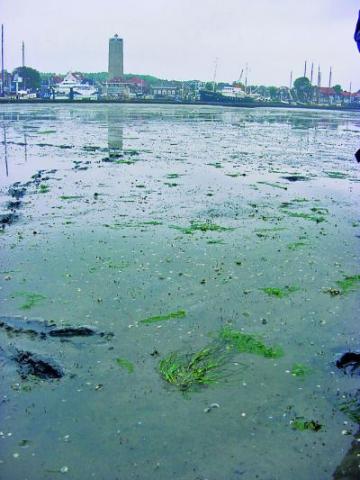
(115, 136)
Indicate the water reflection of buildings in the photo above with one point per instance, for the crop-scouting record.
(5, 152)
(115, 136)
(5, 143)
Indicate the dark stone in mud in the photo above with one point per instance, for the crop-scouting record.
(357, 156)
(7, 218)
(17, 190)
(13, 204)
(16, 324)
(295, 178)
(80, 168)
(22, 325)
(349, 467)
(37, 175)
(37, 365)
(349, 362)
(72, 332)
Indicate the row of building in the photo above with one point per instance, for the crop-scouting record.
(76, 86)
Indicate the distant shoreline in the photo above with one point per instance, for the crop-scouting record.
(39, 101)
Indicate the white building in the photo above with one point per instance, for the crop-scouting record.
(72, 85)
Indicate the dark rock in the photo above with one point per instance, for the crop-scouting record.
(80, 168)
(349, 362)
(357, 156)
(13, 204)
(349, 467)
(72, 332)
(7, 218)
(17, 190)
(295, 178)
(37, 175)
(37, 365)
(19, 325)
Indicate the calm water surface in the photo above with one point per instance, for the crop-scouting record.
(96, 239)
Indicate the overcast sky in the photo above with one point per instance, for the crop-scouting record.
(181, 39)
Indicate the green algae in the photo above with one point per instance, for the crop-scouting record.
(280, 292)
(117, 265)
(150, 222)
(268, 232)
(300, 370)
(132, 151)
(92, 148)
(349, 283)
(234, 175)
(300, 200)
(116, 226)
(320, 210)
(299, 423)
(194, 370)
(306, 216)
(46, 132)
(296, 245)
(125, 161)
(274, 185)
(171, 184)
(122, 362)
(31, 299)
(351, 406)
(70, 197)
(215, 164)
(211, 364)
(172, 176)
(163, 318)
(339, 175)
(215, 242)
(43, 188)
(248, 343)
(201, 227)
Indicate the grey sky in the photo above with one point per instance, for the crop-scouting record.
(181, 39)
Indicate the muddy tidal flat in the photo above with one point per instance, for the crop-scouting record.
(178, 288)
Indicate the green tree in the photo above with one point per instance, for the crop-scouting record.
(303, 88)
(274, 93)
(30, 76)
(210, 86)
(338, 89)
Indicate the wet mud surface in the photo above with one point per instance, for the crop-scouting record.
(179, 293)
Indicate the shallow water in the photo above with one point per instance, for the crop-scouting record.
(111, 257)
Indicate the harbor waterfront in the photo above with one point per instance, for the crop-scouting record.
(254, 104)
(138, 237)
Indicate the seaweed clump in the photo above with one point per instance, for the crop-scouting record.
(299, 423)
(163, 318)
(123, 363)
(31, 299)
(247, 343)
(191, 371)
(349, 283)
(280, 292)
(299, 370)
(201, 227)
(351, 406)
